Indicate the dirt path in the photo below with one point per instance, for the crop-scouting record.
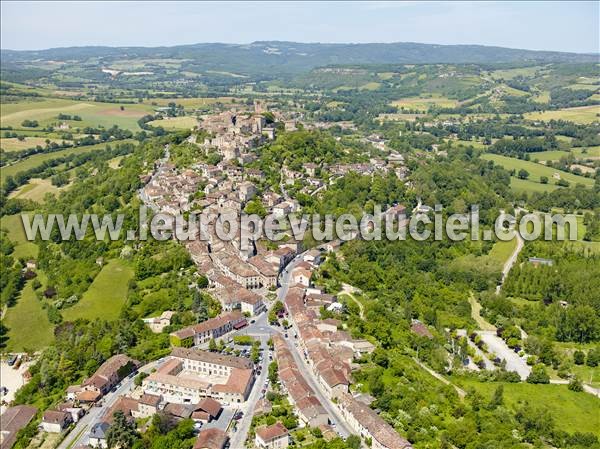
(462, 393)
(349, 290)
(476, 315)
(510, 262)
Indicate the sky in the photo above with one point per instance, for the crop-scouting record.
(538, 25)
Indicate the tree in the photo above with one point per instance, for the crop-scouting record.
(575, 384)
(212, 345)
(538, 375)
(121, 433)
(498, 398)
(579, 357)
(523, 174)
(544, 179)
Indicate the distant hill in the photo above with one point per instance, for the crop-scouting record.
(291, 57)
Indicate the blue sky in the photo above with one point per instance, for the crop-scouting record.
(563, 26)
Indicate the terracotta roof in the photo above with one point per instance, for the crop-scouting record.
(237, 381)
(150, 399)
(212, 357)
(55, 417)
(270, 433)
(420, 329)
(211, 439)
(13, 420)
(209, 405)
(209, 325)
(178, 410)
(88, 396)
(377, 427)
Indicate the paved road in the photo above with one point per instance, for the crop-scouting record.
(341, 426)
(80, 433)
(239, 436)
(511, 261)
(334, 414)
(497, 346)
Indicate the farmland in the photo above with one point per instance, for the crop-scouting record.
(571, 411)
(36, 189)
(14, 144)
(537, 170)
(28, 314)
(423, 104)
(583, 115)
(23, 247)
(92, 114)
(37, 159)
(184, 122)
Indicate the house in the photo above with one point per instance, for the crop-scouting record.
(111, 372)
(263, 407)
(71, 409)
(420, 329)
(13, 420)
(157, 324)
(55, 421)
(301, 275)
(178, 411)
(207, 330)
(147, 406)
(207, 410)
(272, 437)
(97, 437)
(367, 423)
(211, 439)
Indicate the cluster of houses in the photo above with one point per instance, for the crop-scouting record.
(234, 132)
(329, 352)
(189, 375)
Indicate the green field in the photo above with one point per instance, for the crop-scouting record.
(37, 159)
(583, 114)
(92, 114)
(106, 295)
(555, 155)
(185, 122)
(423, 104)
(537, 170)
(571, 411)
(14, 144)
(28, 324)
(23, 247)
(36, 189)
(528, 186)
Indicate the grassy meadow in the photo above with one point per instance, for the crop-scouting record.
(537, 170)
(92, 113)
(571, 411)
(27, 322)
(16, 234)
(105, 296)
(583, 115)
(37, 159)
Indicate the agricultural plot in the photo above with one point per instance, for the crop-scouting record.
(572, 412)
(185, 122)
(36, 189)
(92, 114)
(16, 234)
(583, 115)
(37, 159)
(28, 314)
(537, 170)
(190, 103)
(14, 144)
(105, 296)
(423, 104)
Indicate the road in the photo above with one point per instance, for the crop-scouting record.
(511, 261)
(80, 433)
(341, 426)
(497, 346)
